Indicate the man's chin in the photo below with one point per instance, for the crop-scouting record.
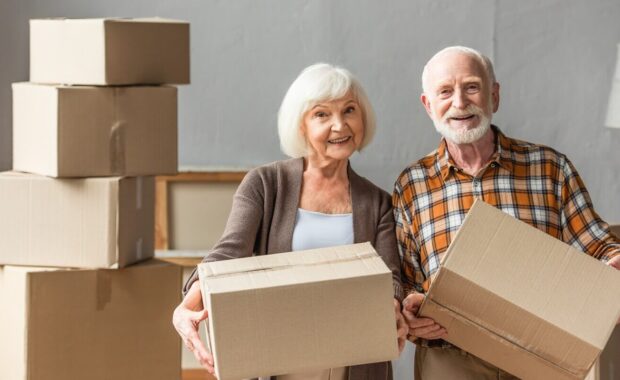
(462, 135)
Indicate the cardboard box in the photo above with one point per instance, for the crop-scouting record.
(609, 362)
(86, 223)
(109, 51)
(609, 366)
(59, 324)
(299, 311)
(523, 300)
(84, 131)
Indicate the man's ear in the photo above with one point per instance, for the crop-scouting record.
(495, 96)
(427, 104)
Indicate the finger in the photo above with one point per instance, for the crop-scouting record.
(402, 331)
(441, 334)
(413, 301)
(408, 315)
(401, 345)
(207, 365)
(420, 322)
(427, 330)
(199, 316)
(198, 348)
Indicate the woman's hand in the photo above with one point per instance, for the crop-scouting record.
(424, 328)
(401, 327)
(186, 320)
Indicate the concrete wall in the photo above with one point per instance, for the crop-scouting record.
(554, 60)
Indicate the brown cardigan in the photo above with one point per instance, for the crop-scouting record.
(263, 217)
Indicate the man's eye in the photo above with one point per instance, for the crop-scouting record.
(473, 88)
(445, 92)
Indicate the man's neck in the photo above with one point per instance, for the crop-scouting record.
(471, 158)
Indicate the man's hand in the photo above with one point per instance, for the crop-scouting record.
(614, 262)
(424, 328)
(401, 327)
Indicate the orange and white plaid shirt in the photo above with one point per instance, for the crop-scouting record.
(533, 183)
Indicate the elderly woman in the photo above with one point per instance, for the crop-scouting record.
(313, 200)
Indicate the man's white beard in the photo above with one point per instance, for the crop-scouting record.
(467, 136)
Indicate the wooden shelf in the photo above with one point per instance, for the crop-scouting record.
(196, 374)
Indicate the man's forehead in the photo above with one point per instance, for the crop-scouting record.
(454, 64)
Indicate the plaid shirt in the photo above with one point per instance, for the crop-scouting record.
(533, 183)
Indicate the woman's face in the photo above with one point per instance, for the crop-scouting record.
(334, 129)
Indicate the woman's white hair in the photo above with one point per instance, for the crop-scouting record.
(317, 83)
(481, 58)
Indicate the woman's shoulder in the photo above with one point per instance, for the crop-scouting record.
(274, 176)
(275, 169)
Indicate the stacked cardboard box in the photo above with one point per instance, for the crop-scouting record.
(89, 130)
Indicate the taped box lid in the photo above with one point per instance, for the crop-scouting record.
(521, 299)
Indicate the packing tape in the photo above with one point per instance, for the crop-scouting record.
(104, 288)
(208, 272)
(117, 148)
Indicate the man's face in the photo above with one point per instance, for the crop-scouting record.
(459, 98)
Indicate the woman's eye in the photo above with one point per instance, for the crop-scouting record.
(349, 109)
(320, 114)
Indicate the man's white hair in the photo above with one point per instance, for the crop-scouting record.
(481, 58)
(317, 83)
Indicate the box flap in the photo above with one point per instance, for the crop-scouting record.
(292, 267)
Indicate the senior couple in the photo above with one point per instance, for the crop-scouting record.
(315, 199)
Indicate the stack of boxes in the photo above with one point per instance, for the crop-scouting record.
(81, 297)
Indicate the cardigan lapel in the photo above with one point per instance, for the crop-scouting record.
(292, 192)
(359, 205)
(292, 187)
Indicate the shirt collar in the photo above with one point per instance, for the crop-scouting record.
(501, 156)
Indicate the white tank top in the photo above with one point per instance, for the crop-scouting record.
(317, 230)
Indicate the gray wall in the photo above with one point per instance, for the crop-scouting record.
(554, 60)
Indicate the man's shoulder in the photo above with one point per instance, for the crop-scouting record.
(419, 170)
(529, 152)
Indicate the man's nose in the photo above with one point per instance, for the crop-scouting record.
(459, 100)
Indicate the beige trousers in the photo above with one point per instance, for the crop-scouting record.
(326, 374)
(453, 363)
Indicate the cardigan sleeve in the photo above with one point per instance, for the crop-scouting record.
(239, 237)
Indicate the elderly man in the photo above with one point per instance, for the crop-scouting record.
(475, 160)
